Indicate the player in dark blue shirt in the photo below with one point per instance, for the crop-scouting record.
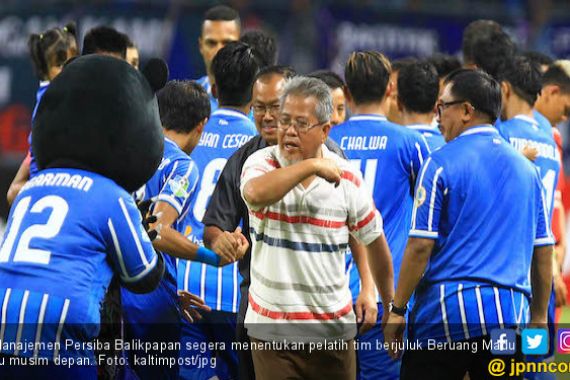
(480, 243)
(418, 90)
(389, 157)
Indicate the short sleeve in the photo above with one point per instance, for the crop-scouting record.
(543, 234)
(364, 220)
(428, 201)
(255, 166)
(420, 153)
(181, 181)
(132, 253)
(225, 209)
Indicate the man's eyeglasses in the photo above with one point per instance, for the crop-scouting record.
(443, 105)
(301, 126)
(260, 110)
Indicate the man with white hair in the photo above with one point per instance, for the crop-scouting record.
(303, 202)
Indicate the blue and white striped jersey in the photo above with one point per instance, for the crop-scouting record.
(389, 157)
(68, 232)
(226, 131)
(483, 203)
(174, 182)
(522, 131)
(431, 133)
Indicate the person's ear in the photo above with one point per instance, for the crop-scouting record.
(214, 90)
(389, 89)
(326, 130)
(505, 89)
(468, 112)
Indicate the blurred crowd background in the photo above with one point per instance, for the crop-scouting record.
(310, 35)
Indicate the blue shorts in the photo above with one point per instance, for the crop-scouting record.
(199, 362)
(375, 363)
(153, 317)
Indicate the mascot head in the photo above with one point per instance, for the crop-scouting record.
(101, 115)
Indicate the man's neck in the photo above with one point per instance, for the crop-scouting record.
(245, 109)
(517, 106)
(179, 139)
(376, 108)
(413, 118)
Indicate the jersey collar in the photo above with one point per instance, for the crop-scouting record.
(229, 112)
(485, 128)
(170, 141)
(368, 117)
(527, 119)
(420, 126)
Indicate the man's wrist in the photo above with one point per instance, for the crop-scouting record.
(398, 310)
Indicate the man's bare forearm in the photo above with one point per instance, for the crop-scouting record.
(416, 258)
(361, 260)
(380, 262)
(269, 188)
(541, 281)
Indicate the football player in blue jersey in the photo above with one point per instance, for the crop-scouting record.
(155, 317)
(418, 89)
(49, 51)
(389, 157)
(234, 69)
(74, 225)
(221, 25)
(520, 85)
(554, 100)
(480, 245)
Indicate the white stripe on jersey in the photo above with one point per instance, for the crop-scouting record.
(462, 310)
(187, 274)
(432, 199)
(219, 293)
(443, 311)
(415, 210)
(21, 320)
(499, 307)
(171, 174)
(60, 328)
(4, 312)
(420, 156)
(203, 282)
(126, 277)
(133, 232)
(40, 323)
(171, 201)
(480, 308)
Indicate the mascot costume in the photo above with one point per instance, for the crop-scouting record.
(73, 227)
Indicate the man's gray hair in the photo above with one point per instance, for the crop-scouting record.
(307, 87)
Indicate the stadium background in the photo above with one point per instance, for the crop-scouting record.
(310, 35)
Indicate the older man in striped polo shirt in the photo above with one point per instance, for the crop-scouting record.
(304, 201)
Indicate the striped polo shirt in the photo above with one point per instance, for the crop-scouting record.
(299, 289)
